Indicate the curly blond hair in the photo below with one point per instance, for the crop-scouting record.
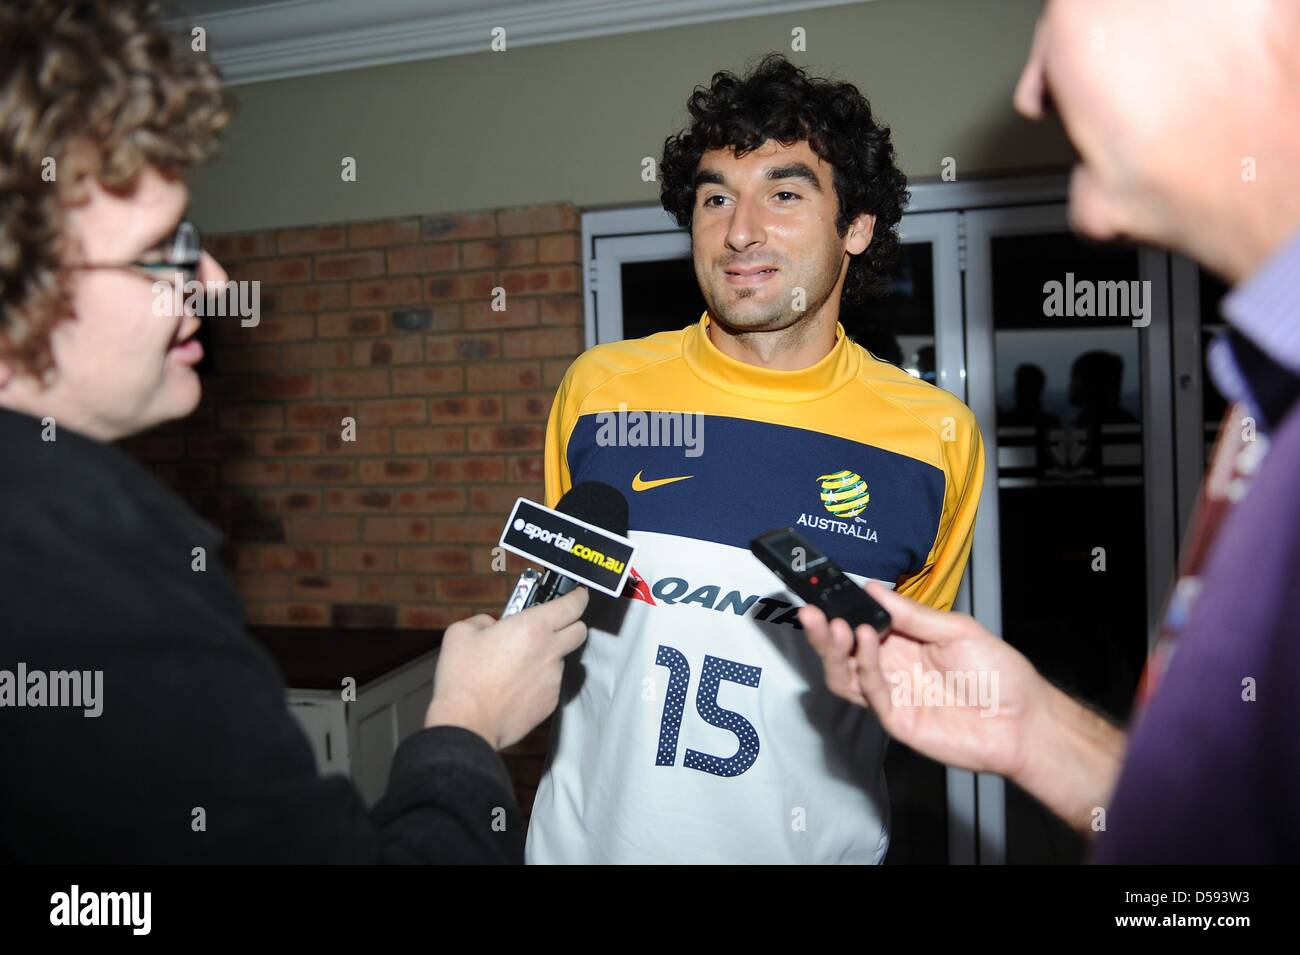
(100, 87)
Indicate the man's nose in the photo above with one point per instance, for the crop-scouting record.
(1030, 96)
(745, 228)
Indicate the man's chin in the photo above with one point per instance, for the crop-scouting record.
(751, 315)
(183, 396)
(1089, 215)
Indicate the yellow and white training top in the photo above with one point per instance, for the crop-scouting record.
(695, 725)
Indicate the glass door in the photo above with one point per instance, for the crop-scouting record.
(1068, 353)
(641, 281)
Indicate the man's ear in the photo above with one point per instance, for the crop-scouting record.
(860, 232)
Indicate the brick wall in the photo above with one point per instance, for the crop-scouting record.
(390, 323)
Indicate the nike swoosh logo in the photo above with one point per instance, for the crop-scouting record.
(640, 485)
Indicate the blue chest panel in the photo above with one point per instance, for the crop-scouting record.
(874, 512)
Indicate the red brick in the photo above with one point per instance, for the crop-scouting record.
(518, 313)
(492, 253)
(534, 407)
(481, 408)
(558, 217)
(526, 469)
(388, 351)
(428, 440)
(364, 501)
(310, 298)
(504, 376)
(252, 473)
(434, 257)
(393, 471)
(542, 342)
(541, 281)
(382, 413)
(290, 502)
(465, 225)
(429, 500)
(313, 239)
(519, 437)
(461, 348)
(338, 470)
(282, 328)
(474, 286)
(283, 386)
(564, 247)
(406, 589)
(428, 381)
(326, 587)
(467, 530)
(297, 444)
(273, 271)
(276, 557)
(324, 530)
(499, 499)
(247, 245)
(316, 355)
(351, 324)
(464, 470)
(428, 560)
(395, 529)
(561, 310)
(369, 440)
(355, 384)
(362, 559)
(473, 588)
(349, 265)
(385, 292)
(318, 415)
(365, 235)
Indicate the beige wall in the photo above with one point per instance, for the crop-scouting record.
(571, 122)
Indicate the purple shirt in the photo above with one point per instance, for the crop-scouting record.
(1209, 776)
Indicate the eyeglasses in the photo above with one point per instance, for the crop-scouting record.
(182, 249)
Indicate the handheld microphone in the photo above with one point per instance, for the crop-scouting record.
(583, 541)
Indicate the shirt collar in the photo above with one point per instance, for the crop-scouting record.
(838, 367)
(1257, 362)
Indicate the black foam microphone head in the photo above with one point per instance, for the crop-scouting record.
(596, 503)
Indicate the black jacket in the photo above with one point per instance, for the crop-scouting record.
(95, 574)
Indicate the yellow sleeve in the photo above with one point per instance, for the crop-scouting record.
(936, 583)
(558, 428)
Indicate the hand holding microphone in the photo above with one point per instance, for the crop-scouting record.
(500, 679)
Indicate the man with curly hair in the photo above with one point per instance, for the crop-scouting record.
(695, 727)
(172, 741)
